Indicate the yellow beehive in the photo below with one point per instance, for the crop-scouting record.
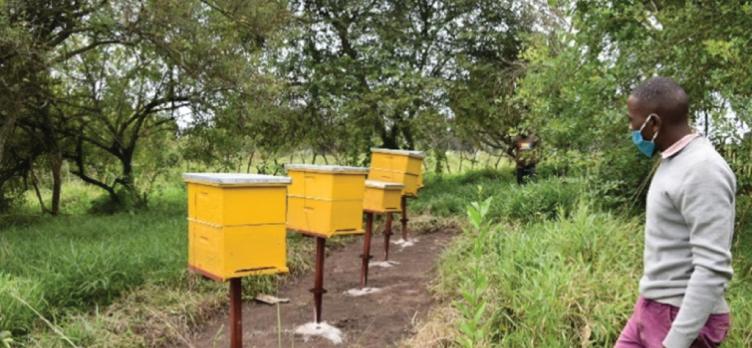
(409, 181)
(398, 166)
(236, 224)
(420, 176)
(404, 161)
(326, 200)
(382, 197)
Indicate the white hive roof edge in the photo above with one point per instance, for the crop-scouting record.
(236, 178)
(401, 152)
(383, 184)
(326, 168)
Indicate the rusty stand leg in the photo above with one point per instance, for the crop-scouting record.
(236, 314)
(366, 256)
(404, 218)
(387, 234)
(318, 287)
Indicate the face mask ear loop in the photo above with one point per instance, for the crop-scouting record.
(646, 122)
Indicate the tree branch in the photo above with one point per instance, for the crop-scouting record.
(68, 55)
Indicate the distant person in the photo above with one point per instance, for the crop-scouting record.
(524, 148)
(689, 227)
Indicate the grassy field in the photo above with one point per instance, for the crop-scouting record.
(559, 272)
(97, 279)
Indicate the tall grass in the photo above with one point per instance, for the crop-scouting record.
(66, 266)
(448, 195)
(567, 282)
(60, 264)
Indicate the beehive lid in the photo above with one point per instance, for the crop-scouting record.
(235, 179)
(412, 153)
(384, 185)
(327, 169)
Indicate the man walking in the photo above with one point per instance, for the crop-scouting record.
(688, 229)
(524, 155)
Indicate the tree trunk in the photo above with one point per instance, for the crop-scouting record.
(462, 157)
(35, 184)
(128, 180)
(407, 132)
(250, 161)
(5, 131)
(56, 164)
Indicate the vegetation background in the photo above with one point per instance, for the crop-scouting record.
(103, 104)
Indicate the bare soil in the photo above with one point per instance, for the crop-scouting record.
(379, 320)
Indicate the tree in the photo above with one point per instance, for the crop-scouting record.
(90, 80)
(382, 69)
(32, 31)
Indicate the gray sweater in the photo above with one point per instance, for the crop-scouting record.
(688, 234)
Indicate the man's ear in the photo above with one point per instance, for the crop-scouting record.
(657, 123)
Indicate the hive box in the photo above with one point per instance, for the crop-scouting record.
(398, 166)
(236, 224)
(382, 197)
(325, 201)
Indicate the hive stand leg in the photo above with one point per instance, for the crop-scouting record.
(318, 287)
(387, 234)
(236, 314)
(404, 218)
(366, 256)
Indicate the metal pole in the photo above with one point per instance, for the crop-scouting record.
(387, 234)
(366, 251)
(236, 314)
(318, 288)
(404, 218)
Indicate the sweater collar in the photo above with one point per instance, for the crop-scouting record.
(679, 145)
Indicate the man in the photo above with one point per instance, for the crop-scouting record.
(524, 154)
(688, 229)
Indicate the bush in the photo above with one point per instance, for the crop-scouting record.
(105, 205)
(619, 178)
(535, 201)
(446, 196)
(79, 262)
(15, 316)
(566, 282)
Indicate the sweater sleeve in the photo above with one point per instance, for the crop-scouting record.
(706, 202)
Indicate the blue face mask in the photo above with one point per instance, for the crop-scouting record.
(646, 147)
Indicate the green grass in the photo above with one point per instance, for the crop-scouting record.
(63, 268)
(561, 273)
(59, 264)
(448, 195)
(563, 280)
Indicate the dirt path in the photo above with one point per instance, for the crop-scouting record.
(377, 320)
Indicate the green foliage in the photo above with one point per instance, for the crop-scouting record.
(65, 268)
(103, 84)
(537, 201)
(15, 317)
(6, 338)
(444, 195)
(72, 264)
(743, 238)
(619, 178)
(371, 72)
(739, 157)
(567, 282)
(474, 325)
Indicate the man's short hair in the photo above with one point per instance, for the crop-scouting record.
(663, 96)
